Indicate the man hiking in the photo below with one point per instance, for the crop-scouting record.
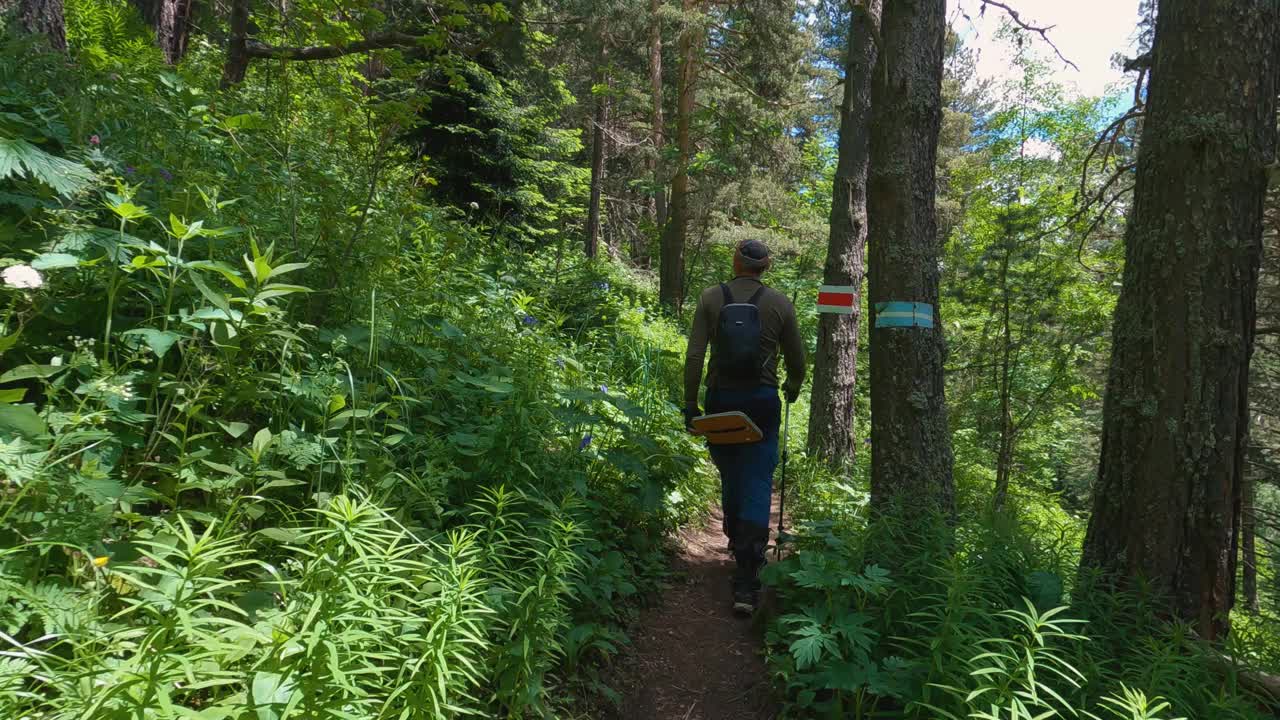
(747, 325)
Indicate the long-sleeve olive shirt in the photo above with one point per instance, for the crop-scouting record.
(778, 329)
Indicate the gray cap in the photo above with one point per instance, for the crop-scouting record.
(753, 254)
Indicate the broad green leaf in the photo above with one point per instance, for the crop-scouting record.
(26, 372)
(158, 340)
(21, 419)
(261, 441)
(8, 341)
(12, 395)
(54, 261)
(234, 429)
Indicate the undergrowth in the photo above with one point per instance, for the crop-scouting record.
(248, 475)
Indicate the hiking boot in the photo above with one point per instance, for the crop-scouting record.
(745, 601)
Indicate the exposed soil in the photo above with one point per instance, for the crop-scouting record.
(693, 659)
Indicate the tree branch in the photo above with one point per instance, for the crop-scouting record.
(1043, 32)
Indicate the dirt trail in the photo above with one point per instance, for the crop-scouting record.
(692, 658)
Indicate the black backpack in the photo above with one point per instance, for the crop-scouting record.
(738, 356)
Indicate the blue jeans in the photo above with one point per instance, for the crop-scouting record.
(746, 474)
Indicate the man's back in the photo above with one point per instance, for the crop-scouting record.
(779, 334)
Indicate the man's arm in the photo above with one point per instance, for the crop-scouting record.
(695, 355)
(793, 353)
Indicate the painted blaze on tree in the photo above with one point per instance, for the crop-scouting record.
(911, 453)
(1167, 502)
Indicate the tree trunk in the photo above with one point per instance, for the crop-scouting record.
(597, 154)
(910, 442)
(40, 17)
(835, 369)
(655, 91)
(1004, 455)
(171, 22)
(1168, 498)
(671, 270)
(237, 62)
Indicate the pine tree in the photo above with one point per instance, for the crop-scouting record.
(910, 441)
(1168, 498)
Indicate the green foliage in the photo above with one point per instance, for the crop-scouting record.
(247, 474)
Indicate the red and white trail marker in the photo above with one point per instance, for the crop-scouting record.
(838, 299)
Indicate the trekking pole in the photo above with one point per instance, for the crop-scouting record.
(782, 499)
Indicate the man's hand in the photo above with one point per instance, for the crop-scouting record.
(792, 393)
(690, 412)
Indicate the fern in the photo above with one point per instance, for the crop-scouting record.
(21, 159)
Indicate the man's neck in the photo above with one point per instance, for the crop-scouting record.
(748, 276)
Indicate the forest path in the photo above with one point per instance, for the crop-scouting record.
(692, 658)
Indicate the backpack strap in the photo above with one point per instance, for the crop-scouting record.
(755, 297)
(728, 297)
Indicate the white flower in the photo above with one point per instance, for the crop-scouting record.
(22, 276)
(475, 205)
(56, 361)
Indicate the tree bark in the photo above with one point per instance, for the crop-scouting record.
(910, 442)
(40, 17)
(592, 242)
(655, 91)
(1168, 498)
(835, 369)
(237, 62)
(171, 22)
(671, 270)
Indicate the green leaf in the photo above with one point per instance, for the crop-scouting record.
(26, 372)
(270, 690)
(284, 535)
(158, 340)
(286, 268)
(21, 419)
(8, 341)
(223, 269)
(54, 261)
(234, 429)
(19, 158)
(12, 395)
(218, 299)
(261, 441)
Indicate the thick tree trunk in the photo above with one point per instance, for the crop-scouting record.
(40, 17)
(597, 155)
(237, 62)
(655, 92)
(835, 369)
(910, 442)
(1168, 498)
(171, 22)
(671, 270)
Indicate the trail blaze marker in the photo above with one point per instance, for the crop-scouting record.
(838, 299)
(904, 314)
